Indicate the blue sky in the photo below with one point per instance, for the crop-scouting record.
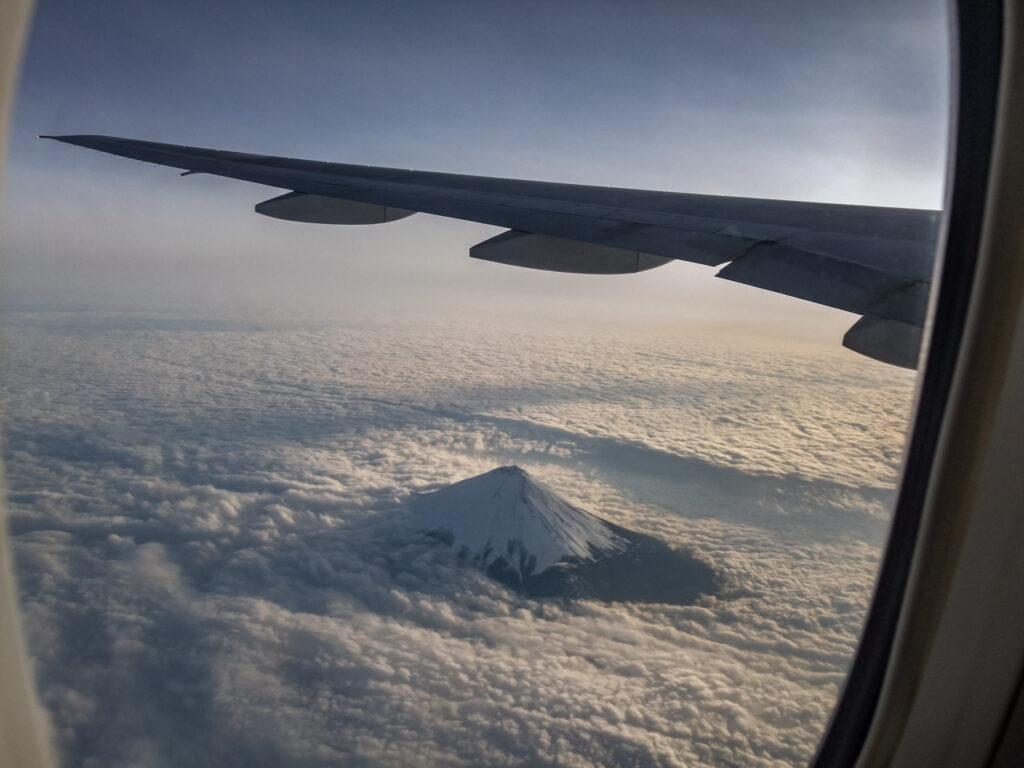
(842, 102)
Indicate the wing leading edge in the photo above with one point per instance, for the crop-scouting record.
(872, 261)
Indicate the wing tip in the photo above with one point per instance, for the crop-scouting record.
(78, 138)
(65, 139)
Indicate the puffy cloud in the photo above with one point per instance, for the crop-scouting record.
(218, 565)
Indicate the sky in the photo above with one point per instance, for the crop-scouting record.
(215, 422)
(801, 100)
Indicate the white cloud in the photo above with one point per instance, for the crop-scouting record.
(217, 565)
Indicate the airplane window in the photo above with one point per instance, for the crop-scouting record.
(289, 493)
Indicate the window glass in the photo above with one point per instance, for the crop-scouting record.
(287, 493)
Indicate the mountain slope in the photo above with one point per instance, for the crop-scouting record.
(507, 514)
(523, 534)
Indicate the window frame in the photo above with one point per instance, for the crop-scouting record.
(928, 532)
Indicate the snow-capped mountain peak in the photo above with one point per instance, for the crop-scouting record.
(508, 515)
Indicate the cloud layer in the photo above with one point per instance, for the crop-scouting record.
(218, 565)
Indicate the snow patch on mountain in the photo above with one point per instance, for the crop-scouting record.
(507, 514)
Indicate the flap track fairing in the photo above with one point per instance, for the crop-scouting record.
(319, 209)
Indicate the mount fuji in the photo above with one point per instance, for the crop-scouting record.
(521, 533)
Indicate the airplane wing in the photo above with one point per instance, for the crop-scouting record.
(872, 261)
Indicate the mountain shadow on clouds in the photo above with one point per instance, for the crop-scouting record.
(522, 534)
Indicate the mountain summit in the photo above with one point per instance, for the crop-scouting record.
(523, 534)
(506, 519)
